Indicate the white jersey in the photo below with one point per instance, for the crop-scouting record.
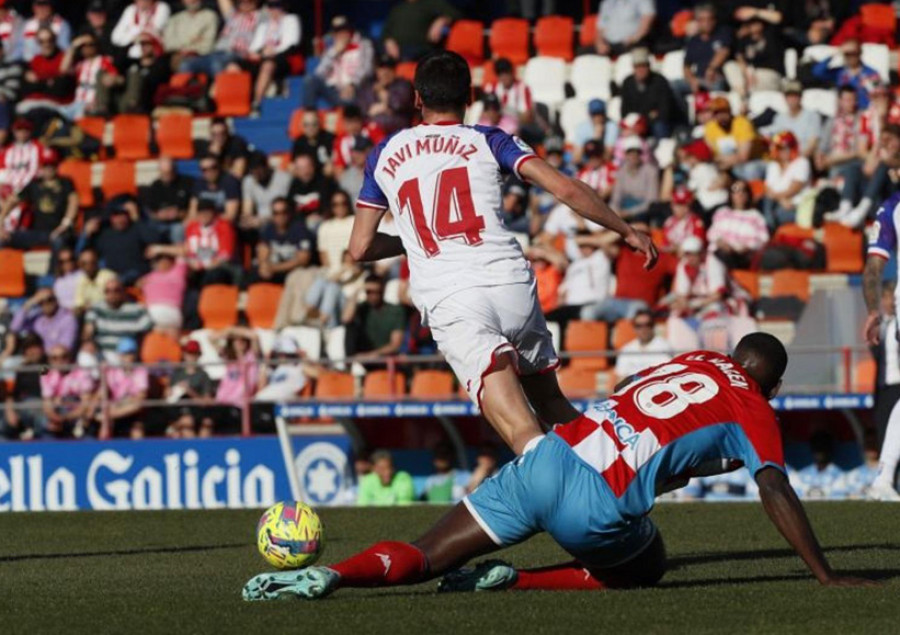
(442, 184)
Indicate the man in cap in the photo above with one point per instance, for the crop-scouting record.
(20, 160)
(646, 92)
(388, 100)
(597, 127)
(637, 183)
(852, 73)
(805, 124)
(122, 240)
(128, 385)
(43, 17)
(733, 141)
(351, 178)
(98, 25)
(343, 66)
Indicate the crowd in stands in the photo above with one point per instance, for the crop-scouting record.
(698, 130)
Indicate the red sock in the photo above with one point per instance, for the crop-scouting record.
(383, 564)
(562, 577)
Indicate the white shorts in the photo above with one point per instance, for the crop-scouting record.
(473, 326)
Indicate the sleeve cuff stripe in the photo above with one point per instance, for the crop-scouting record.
(362, 203)
(520, 161)
(878, 251)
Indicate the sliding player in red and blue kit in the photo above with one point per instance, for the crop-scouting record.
(591, 484)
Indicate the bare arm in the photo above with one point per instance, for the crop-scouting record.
(587, 204)
(367, 243)
(872, 277)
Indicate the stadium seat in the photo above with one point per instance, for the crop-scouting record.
(262, 304)
(295, 125)
(118, 178)
(748, 280)
(174, 135)
(158, 347)
(466, 37)
(679, 23)
(509, 39)
(761, 99)
(614, 109)
(587, 336)
(665, 152)
(623, 67)
(218, 306)
(473, 113)
(573, 112)
(336, 346)
(231, 92)
(131, 137)
(843, 249)
(406, 70)
(12, 273)
(821, 100)
(791, 61)
(590, 77)
(792, 230)
(588, 32)
(331, 385)
(377, 384)
(577, 382)
(554, 36)
(432, 384)
(790, 282)
(864, 375)
(546, 77)
(672, 67)
(623, 332)
(308, 338)
(93, 126)
(757, 189)
(819, 52)
(878, 56)
(80, 173)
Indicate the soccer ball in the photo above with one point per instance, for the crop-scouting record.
(289, 535)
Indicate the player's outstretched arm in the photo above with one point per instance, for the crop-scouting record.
(587, 203)
(367, 243)
(872, 276)
(787, 514)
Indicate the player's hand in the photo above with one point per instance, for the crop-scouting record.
(639, 241)
(872, 329)
(849, 581)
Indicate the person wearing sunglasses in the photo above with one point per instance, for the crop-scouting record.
(645, 350)
(41, 314)
(852, 72)
(43, 17)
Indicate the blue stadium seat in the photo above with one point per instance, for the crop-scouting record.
(189, 167)
(266, 135)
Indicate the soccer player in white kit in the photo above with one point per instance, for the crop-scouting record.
(468, 275)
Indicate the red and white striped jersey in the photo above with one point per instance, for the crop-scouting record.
(10, 26)
(516, 98)
(87, 73)
(19, 164)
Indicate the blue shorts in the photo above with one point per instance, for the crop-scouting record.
(550, 489)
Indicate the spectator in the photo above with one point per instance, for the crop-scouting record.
(122, 241)
(11, 75)
(586, 282)
(385, 485)
(705, 53)
(486, 465)
(353, 126)
(375, 328)
(492, 115)
(860, 479)
(285, 244)
(513, 95)
(703, 177)
(190, 381)
(842, 149)
(683, 222)
(221, 189)
(632, 128)
(53, 203)
(544, 203)
(595, 171)
(309, 189)
(822, 478)
(351, 179)
(760, 57)
(45, 83)
(145, 75)
(95, 77)
(232, 150)
(445, 485)
(388, 100)
(210, 247)
(637, 183)
(43, 17)
(286, 380)
(622, 25)
(882, 160)
(91, 284)
(114, 318)
(241, 379)
(275, 41)
(11, 36)
(99, 26)
(190, 33)
(645, 350)
(68, 394)
(67, 277)
(314, 141)
(42, 315)
(23, 413)
(805, 124)
(415, 27)
(597, 128)
(164, 287)
(166, 201)
(515, 206)
(738, 231)
(815, 22)
(788, 177)
(342, 68)
(143, 16)
(261, 187)
(549, 266)
(853, 74)
(233, 43)
(647, 93)
(733, 141)
(128, 385)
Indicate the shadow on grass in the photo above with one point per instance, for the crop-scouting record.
(121, 552)
(881, 575)
(725, 556)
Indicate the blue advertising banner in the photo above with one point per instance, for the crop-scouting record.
(170, 474)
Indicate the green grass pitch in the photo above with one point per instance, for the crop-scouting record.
(182, 572)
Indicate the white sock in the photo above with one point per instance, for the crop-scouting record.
(890, 450)
(845, 208)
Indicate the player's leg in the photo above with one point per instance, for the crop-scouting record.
(883, 487)
(504, 404)
(547, 399)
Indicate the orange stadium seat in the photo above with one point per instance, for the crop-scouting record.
(218, 306)
(377, 384)
(488, 76)
(231, 92)
(93, 126)
(790, 282)
(843, 249)
(554, 36)
(118, 178)
(509, 39)
(587, 336)
(757, 189)
(295, 125)
(588, 31)
(792, 230)
(432, 384)
(406, 70)
(678, 25)
(333, 385)
(623, 333)
(749, 280)
(577, 382)
(864, 375)
(131, 137)
(262, 304)
(174, 135)
(466, 37)
(159, 347)
(80, 173)
(12, 273)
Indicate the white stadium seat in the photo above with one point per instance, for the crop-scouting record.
(473, 114)
(591, 75)
(555, 334)
(614, 109)
(673, 65)
(392, 291)
(572, 113)
(309, 340)
(762, 99)
(790, 63)
(665, 152)
(878, 57)
(546, 77)
(821, 100)
(819, 52)
(335, 346)
(623, 68)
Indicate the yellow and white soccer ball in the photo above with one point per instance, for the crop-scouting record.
(289, 535)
